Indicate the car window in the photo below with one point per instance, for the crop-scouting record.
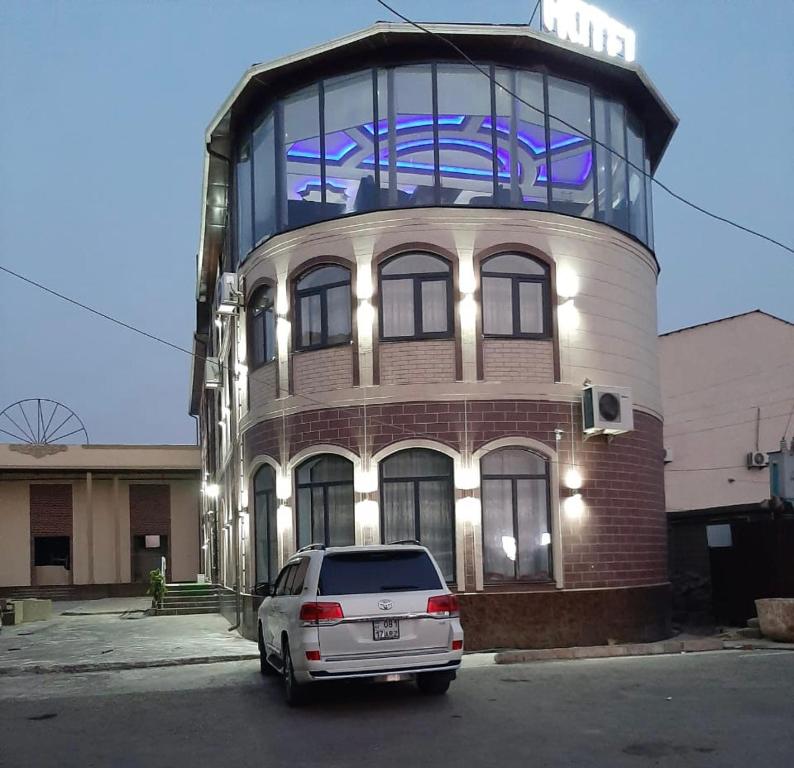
(352, 573)
(300, 576)
(283, 580)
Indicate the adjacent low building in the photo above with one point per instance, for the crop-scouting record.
(93, 520)
(728, 390)
(408, 273)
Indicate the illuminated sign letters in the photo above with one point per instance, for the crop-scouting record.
(587, 25)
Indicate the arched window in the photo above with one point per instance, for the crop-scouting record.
(261, 327)
(516, 516)
(322, 307)
(325, 501)
(415, 297)
(265, 531)
(417, 501)
(516, 297)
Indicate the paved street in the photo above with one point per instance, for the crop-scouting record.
(714, 709)
(115, 640)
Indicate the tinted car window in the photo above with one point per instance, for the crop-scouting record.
(282, 586)
(300, 576)
(370, 572)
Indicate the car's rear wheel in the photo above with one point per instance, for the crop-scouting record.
(434, 683)
(294, 692)
(264, 666)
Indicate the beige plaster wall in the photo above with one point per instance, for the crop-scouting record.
(14, 534)
(722, 383)
(184, 530)
(615, 343)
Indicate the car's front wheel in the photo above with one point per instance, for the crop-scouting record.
(294, 692)
(434, 683)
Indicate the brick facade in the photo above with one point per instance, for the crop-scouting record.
(417, 362)
(621, 539)
(322, 370)
(150, 510)
(262, 386)
(525, 360)
(50, 510)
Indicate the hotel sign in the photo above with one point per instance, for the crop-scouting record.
(587, 25)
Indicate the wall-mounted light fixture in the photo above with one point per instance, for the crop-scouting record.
(567, 282)
(211, 490)
(574, 506)
(573, 479)
(283, 519)
(366, 316)
(283, 328)
(367, 513)
(283, 486)
(468, 510)
(467, 477)
(568, 316)
(365, 480)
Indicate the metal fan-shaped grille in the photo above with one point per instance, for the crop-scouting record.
(38, 421)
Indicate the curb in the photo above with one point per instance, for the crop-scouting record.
(111, 666)
(611, 651)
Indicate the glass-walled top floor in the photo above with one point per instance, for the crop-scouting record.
(440, 135)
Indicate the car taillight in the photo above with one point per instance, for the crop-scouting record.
(443, 604)
(457, 645)
(312, 655)
(316, 612)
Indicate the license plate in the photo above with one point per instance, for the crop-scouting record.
(386, 629)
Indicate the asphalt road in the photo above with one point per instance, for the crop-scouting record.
(713, 709)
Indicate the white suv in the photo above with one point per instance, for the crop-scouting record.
(381, 612)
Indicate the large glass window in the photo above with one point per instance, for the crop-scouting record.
(415, 300)
(325, 501)
(466, 156)
(265, 531)
(244, 207)
(613, 207)
(264, 179)
(516, 516)
(261, 327)
(302, 149)
(571, 155)
(322, 301)
(417, 501)
(442, 134)
(634, 146)
(349, 145)
(515, 296)
(520, 138)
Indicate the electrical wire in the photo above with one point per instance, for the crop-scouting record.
(578, 131)
(532, 17)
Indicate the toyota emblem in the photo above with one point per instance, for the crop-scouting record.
(385, 605)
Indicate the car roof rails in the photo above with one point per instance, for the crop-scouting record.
(407, 541)
(316, 545)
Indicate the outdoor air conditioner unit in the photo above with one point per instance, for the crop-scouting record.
(607, 410)
(228, 293)
(668, 455)
(757, 460)
(212, 373)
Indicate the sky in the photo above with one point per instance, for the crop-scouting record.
(103, 107)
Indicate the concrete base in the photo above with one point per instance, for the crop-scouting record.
(564, 618)
(776, 617)
(34, 610)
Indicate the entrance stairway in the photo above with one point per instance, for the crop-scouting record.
(183, 599)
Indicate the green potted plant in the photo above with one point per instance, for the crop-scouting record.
(157, 588)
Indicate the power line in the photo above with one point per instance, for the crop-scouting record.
(532, 17)
(642, 171)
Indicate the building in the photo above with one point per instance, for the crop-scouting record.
(93, 520)
(406, 275)
(728, 393)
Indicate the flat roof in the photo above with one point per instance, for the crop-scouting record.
(724, 319)
(86, 458)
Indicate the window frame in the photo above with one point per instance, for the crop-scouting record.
(516, 279)
(514, 478)
(417, 279)
(325, 485)
(322, 292)
(415, 483)
(260, 317)
(267, 497)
